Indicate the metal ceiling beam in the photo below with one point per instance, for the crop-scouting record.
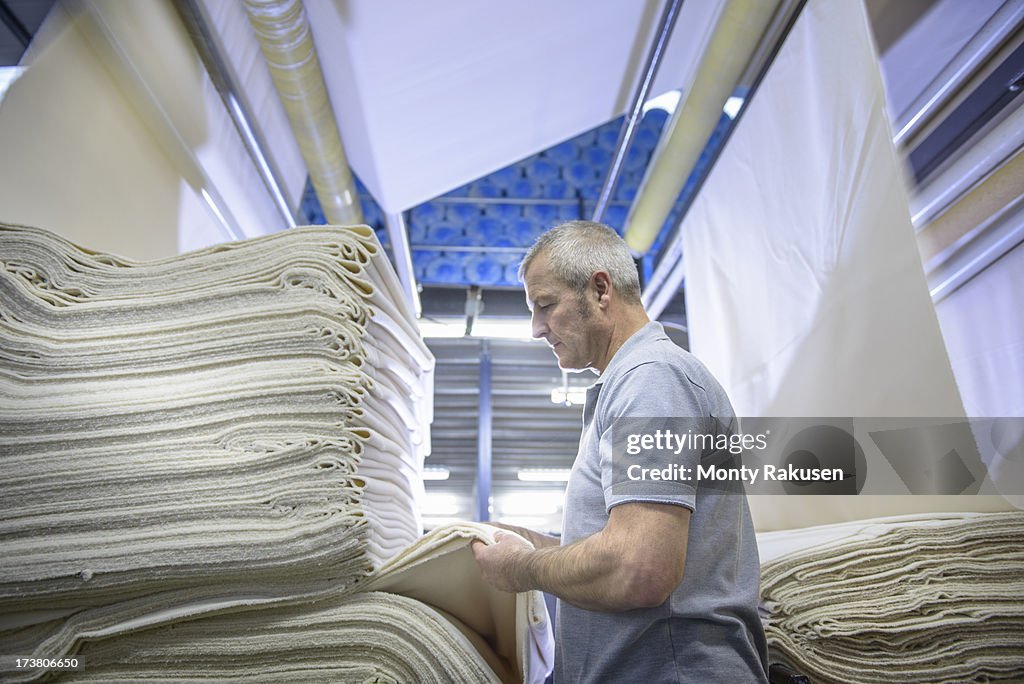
(220, 75)
(662, 34)
(1000, 28)
(14, 25)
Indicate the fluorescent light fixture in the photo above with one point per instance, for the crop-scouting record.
(568, 397)
(496, 328)
(543, 474)
(732, 106)
(8, 75)
(440, 503)
(666, 101)
(539, 503)
(436, 473)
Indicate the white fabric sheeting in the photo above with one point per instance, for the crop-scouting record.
(984, 332)
(805, 292)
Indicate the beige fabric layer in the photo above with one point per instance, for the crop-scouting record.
(911, 599)
(370, 637)
(440, 570)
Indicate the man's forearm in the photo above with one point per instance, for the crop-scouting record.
(585, 574)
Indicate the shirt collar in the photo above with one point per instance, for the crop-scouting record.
(651, 331)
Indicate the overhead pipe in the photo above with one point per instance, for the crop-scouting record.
(735, 39)
(286, 41)
(657, 50)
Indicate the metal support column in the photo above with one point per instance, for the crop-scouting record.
(483, 457)
(398, 236)
(220, 75)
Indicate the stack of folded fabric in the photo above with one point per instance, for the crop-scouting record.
(369, 637)
(907, 599)
(234, 427)
(425, 616)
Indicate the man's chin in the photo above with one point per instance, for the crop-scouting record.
(566, 364)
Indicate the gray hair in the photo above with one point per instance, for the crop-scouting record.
(578, 249)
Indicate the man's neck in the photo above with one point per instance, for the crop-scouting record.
(625, 327)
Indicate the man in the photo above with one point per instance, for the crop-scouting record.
(656, 581)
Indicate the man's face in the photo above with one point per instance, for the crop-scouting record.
(561, 318)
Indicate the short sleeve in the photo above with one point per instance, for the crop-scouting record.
(645, 417)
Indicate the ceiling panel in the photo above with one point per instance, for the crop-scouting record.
(429, 96)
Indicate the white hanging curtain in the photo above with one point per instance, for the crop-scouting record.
(806, 295)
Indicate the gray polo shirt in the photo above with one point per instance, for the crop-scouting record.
(708, 630)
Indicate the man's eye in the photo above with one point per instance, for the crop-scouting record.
(542, 307)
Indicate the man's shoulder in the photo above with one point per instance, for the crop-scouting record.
(662, 380)
(656, 357)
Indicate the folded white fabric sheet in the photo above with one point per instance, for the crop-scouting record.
(909, 598)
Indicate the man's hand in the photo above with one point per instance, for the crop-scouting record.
(502, 563)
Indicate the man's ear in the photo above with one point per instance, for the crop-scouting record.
(602, 284)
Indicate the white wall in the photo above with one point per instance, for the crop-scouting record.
(78, 160)
(116, 138)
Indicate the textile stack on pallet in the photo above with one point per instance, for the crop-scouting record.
(937, 598)
(240, 428)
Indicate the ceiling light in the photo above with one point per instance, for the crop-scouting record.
(570, 396)
(495, 328)
(732, 106)
(436, 473)
(8, 75)
(666, 101)
(534, 522)
(543, 474)
(530, 503)
(440, 503)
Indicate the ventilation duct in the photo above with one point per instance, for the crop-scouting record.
(287, 44)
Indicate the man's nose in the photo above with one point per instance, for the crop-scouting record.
(539, 329)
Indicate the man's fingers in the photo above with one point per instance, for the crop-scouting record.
(477, 546)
